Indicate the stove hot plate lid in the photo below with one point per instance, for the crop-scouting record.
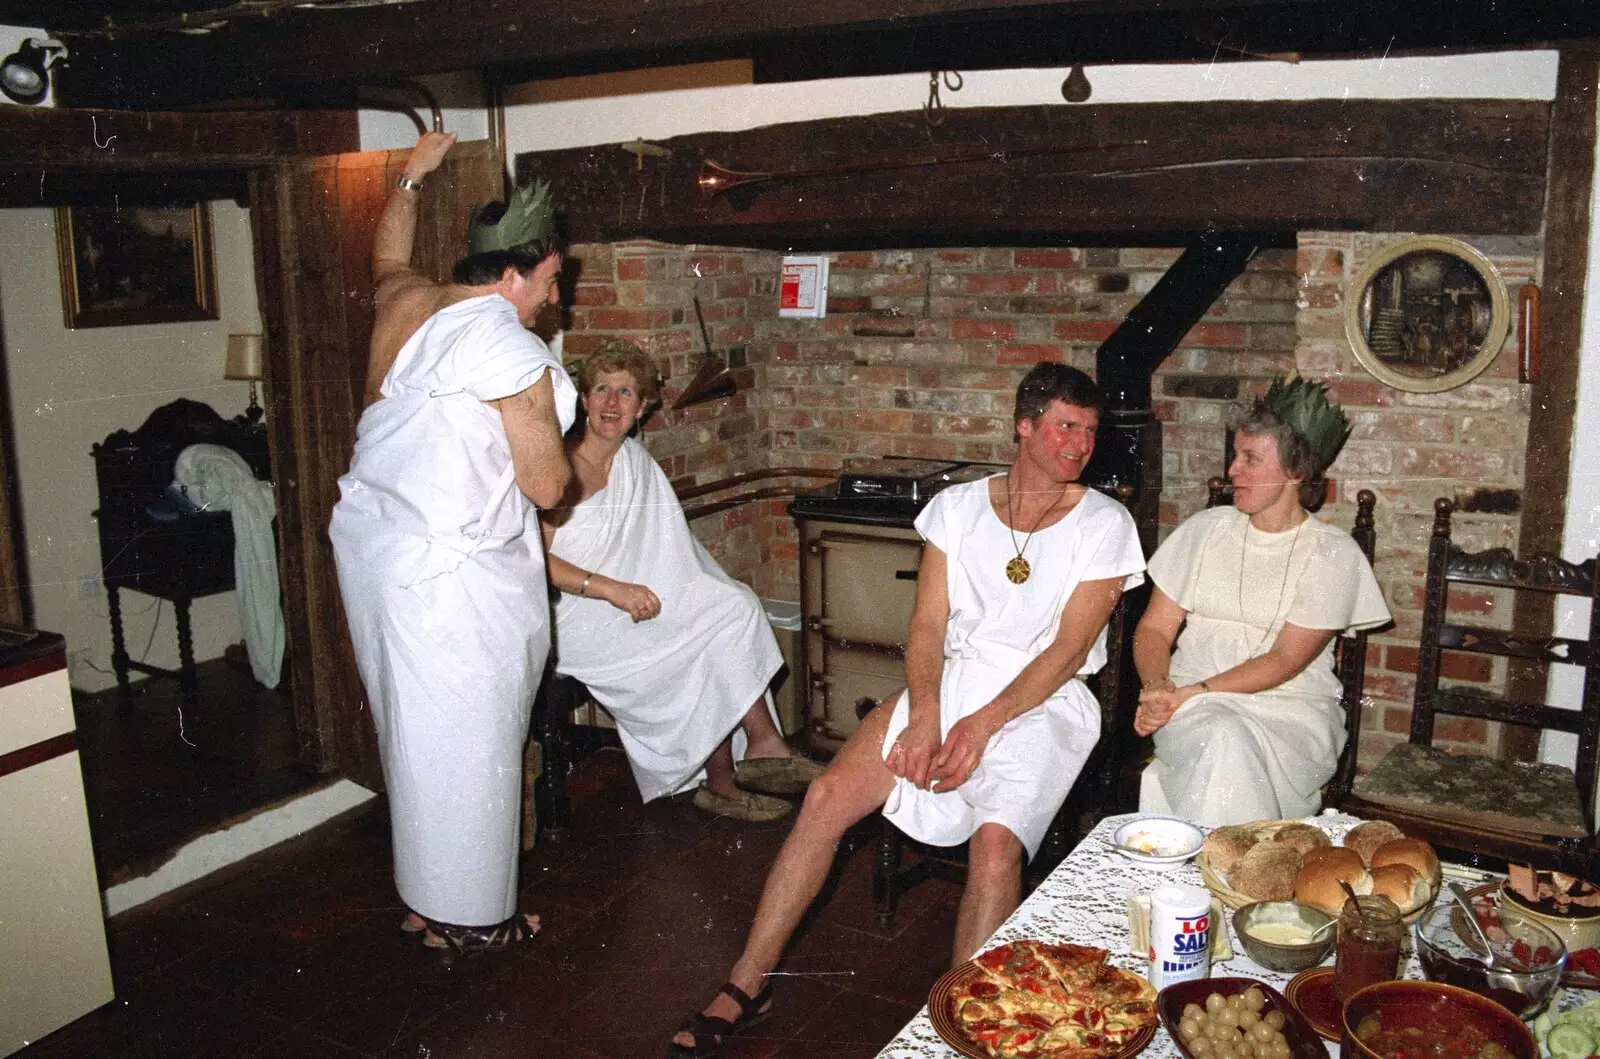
(890, 477)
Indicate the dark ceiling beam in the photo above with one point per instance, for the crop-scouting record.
(1035, 174)
(56, 139)
(297, 53)
(54, 157)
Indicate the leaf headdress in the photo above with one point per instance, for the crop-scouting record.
(529, 217)
(1305, 408)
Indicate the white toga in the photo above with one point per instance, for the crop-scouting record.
(678, 683)
(1232, 758)
(995, 629)
(446, 600)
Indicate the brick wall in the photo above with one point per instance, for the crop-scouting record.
(921, 352)
(1409, 449)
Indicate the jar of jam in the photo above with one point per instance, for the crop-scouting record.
(1369, 944)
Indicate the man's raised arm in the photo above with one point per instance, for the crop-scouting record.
(397, 227)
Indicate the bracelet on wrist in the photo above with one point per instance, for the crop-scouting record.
(405, 183)
(583, 589)
(1205, 687)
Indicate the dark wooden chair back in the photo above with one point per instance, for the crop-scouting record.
(1534, 813)
(1496, 568)
(1350, 649)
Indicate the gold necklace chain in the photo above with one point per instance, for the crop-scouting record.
(1288, 565)
(1017, 569)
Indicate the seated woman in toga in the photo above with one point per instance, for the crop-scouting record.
(1246, 713)
(677, 651)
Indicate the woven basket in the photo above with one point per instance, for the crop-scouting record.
(1235, 899)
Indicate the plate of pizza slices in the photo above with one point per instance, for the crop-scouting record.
(1040, 1000)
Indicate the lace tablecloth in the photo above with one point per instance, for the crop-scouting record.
(1084, 901)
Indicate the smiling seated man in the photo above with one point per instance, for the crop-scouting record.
(986, 740)
(1246, 714)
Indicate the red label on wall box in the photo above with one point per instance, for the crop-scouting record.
(803, 286)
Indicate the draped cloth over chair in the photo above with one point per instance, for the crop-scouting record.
(218, 479)
(1529, 812)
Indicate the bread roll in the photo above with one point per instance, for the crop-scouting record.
(1412, 851)
(1266, 872)
(1317, 884)
(1224, 846)
(1302, 837)
(1402, 884)
(1347, 859)
(1367, 837)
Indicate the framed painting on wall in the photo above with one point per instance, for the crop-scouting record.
(1428, 313)
(135, 264)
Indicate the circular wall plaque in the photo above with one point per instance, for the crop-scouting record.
(1427, 314)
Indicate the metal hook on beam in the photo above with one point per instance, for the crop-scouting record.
(415, 87)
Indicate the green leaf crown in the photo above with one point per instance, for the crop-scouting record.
(529, 217)
(1305, 408)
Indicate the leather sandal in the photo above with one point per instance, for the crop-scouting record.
(459, 943)
(777, 775)
(710, 1031)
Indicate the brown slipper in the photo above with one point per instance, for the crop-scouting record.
(751, 808)
(777, 775)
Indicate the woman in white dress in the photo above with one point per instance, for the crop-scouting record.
(1246, 713)
(679, 653)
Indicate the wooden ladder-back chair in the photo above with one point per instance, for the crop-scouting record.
(1524, 812)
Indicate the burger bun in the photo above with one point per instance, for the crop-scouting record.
(1266, 872)
(1318, 884)
(1366, 838)
(1348, 861)
(1402, 884)
(1410, 851)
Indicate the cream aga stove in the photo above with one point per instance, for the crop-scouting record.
(859, 553)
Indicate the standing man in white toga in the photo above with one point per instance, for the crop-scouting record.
(1018, 576)
(442, 586)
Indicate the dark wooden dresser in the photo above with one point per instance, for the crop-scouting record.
(150, 547)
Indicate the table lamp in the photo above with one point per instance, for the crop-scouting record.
(245, 364)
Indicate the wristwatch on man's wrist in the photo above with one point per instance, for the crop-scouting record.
(405, 183)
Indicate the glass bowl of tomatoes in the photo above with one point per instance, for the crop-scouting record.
(1509, 959)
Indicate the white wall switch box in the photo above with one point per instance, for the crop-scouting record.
(803, 287)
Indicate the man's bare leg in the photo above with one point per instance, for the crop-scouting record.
(855, 784)
(994, 887)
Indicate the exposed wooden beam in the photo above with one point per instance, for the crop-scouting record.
(1548, 454)
(1035, 173)
(58, 139)
(295, 51)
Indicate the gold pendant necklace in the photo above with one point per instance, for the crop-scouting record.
(1017, 569)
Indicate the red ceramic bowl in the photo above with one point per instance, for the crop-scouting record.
(1435, 1008)
(1302, 1039)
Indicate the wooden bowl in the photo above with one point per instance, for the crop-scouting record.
(1170, 1002)
(1432, 1005)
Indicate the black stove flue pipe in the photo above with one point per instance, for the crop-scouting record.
(1128, 444)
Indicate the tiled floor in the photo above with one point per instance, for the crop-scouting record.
(298, 953)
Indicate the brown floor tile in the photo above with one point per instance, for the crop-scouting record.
(906, 968)
(849, 1024)
(645, 908)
